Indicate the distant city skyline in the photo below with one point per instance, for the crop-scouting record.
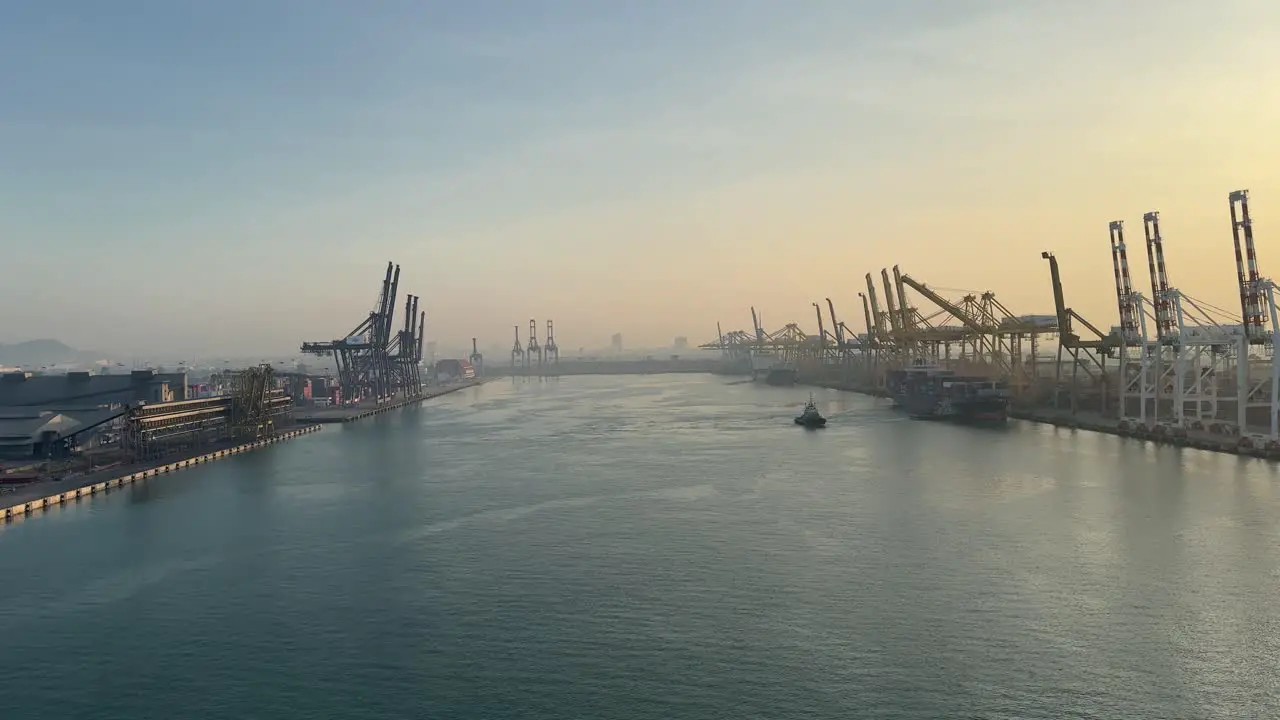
(231, 178)
(94, 359)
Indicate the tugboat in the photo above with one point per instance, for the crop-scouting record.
(810, 417)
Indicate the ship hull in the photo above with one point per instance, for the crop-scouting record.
(991, 412)
(780, 377)
(969, 401)
(766, 368)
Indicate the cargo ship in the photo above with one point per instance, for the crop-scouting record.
(946, 396)
(767, 368)
(898, 381)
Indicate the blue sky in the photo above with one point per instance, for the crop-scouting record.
(228, 176)
(170, 108)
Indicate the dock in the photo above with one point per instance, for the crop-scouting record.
(360, 412)
(1096, 422)
(88, 485)
(1160, 435)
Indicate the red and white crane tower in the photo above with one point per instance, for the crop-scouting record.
(1193, 349)
(1137, 383)
(1258, 368)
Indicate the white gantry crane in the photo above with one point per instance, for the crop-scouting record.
(1258, 368)
(1137, 384)
(1194, 347)
(1179, 371)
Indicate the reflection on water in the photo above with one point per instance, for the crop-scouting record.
(657, 547)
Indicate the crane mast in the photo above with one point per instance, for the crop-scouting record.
(1251, 282)
(1166, 323)
(837, 328)
(1124, 285)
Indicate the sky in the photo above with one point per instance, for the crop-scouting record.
(232, 176)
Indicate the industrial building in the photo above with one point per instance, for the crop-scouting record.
(81, 389)
(34, 433)
(450, 370)
(140, 416)
(48, 416)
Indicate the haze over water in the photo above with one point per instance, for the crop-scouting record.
(656, 547)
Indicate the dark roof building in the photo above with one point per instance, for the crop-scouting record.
(28, 432)
(82, 390)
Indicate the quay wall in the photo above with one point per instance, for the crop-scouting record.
(1096, 422)
(72, 494)
(69, 496)
(351, 414)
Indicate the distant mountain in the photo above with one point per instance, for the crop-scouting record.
(34, 354)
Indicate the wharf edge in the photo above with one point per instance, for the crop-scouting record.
(1092, 422)
(62, 498)
(346, 415)
(29, 507)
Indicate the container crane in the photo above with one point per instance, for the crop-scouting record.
(477, 360)
(517, 350)
(1258, 307)
(550, 348)
(1088, 354)
(1137, 382)
(533, 350)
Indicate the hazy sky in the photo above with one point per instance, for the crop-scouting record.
(232, 176)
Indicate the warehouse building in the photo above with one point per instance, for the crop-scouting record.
(81, 389)
(37, 433)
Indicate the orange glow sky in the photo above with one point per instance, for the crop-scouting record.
(649, 172)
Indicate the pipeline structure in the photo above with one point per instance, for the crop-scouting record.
(1174, 364)
(376, 361)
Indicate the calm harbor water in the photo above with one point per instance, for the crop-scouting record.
(656, 547)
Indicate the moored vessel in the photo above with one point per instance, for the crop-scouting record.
(768, 368)
(974, 400)
(897, 382)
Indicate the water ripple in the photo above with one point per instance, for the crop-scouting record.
(657, 547)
